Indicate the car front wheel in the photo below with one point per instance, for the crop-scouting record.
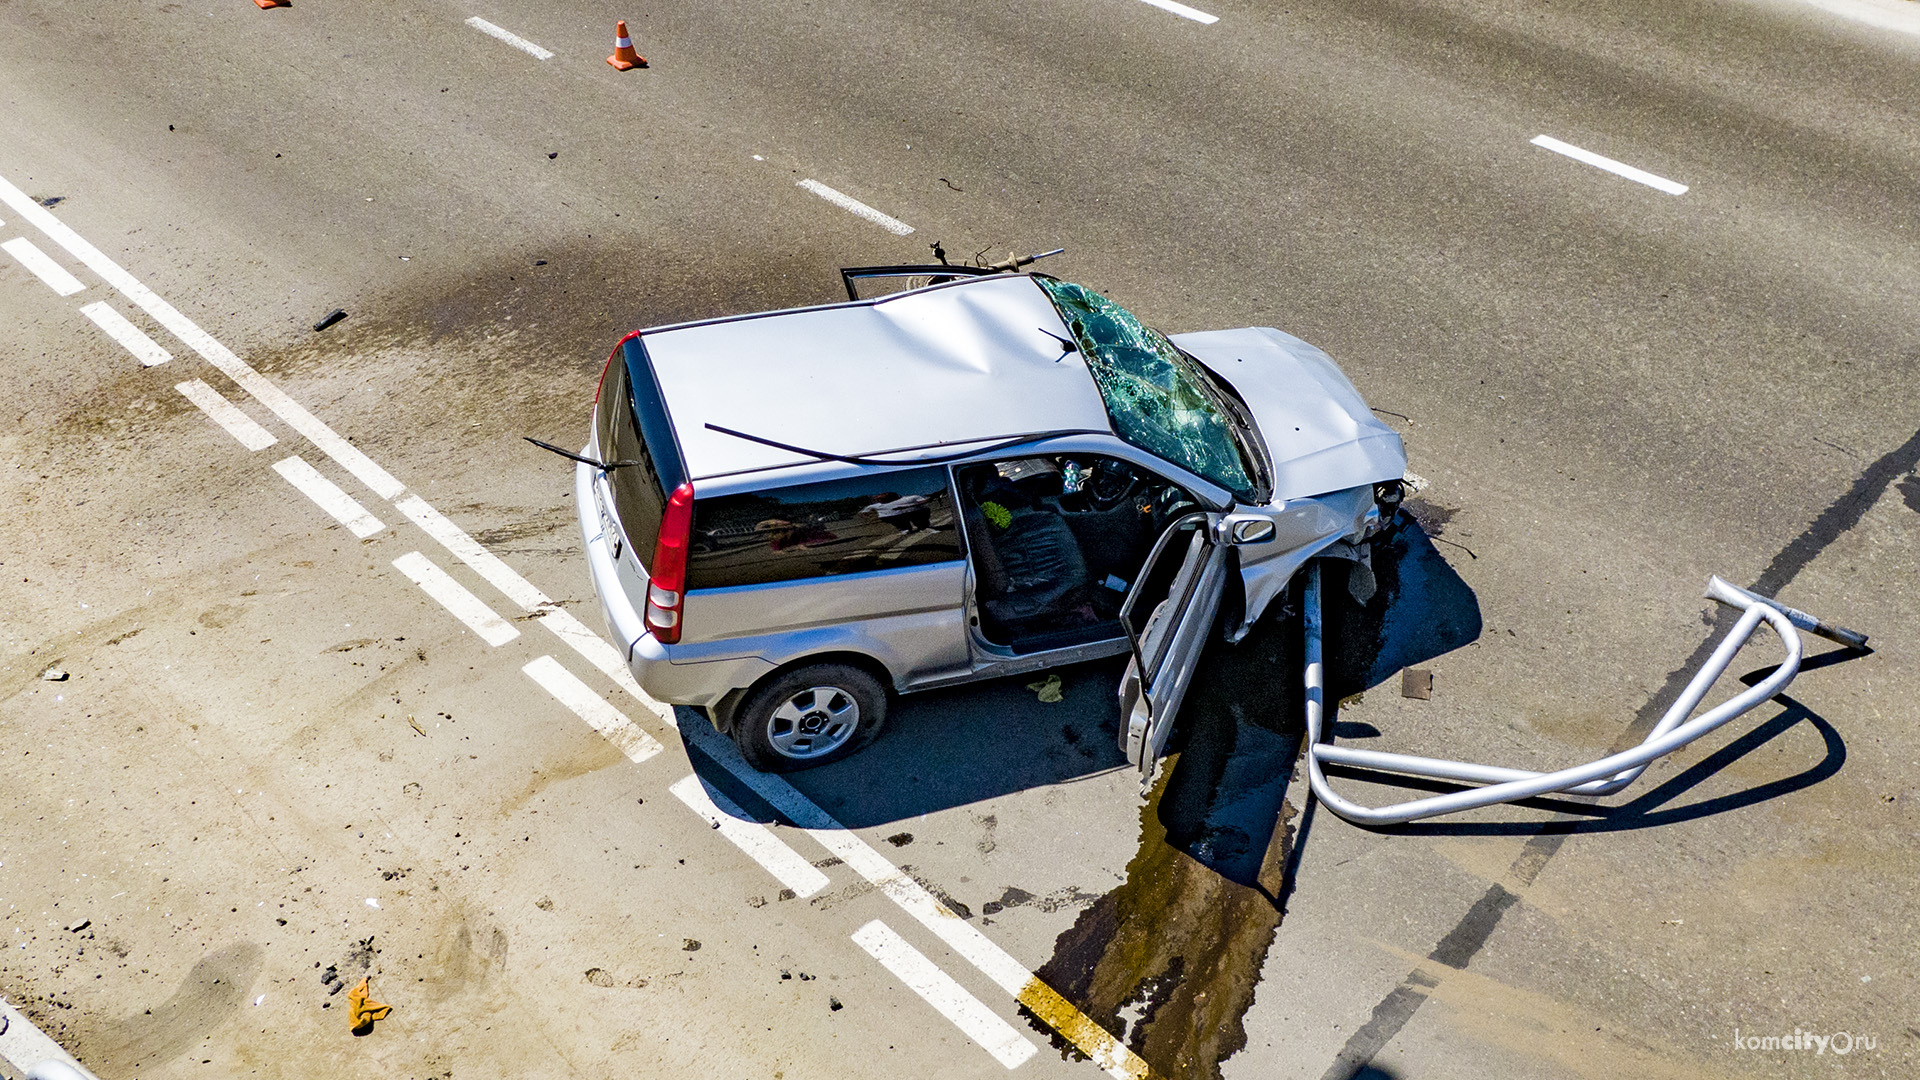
(809, 716)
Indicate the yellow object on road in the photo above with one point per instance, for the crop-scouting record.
(1048, 689)
(362, 1011)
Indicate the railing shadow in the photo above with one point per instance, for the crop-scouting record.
(1653, 807)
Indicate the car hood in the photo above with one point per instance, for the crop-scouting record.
(1318, 431)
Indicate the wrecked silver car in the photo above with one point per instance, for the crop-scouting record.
(791, 515)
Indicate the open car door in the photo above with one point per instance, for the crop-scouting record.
(1167, 614)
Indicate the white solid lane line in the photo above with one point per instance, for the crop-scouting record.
(910, 966)
(454, 596)
(1638, 176)
(758, 841)
(854, 206)
(510, 38)
(264, 391)
(468, 550)
(228, 415)
(1184, 11)
(130, 337)
(601, 716)
(24, 1046)
(42, 266)
(327, 496)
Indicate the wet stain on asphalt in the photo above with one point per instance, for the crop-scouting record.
(1169, 961)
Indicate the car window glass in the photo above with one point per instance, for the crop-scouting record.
(638, 497)
(1152, 394)
(882, 521)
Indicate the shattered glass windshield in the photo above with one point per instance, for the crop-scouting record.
(1155, 399)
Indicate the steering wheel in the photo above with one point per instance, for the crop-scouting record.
(1111, 484)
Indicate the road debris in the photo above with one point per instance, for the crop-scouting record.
(415, 724)
(1048, 689)
(54, 674)
(329, 319)
(362, 1010)
(833, 1004)
(1416, 683)
(79, 926)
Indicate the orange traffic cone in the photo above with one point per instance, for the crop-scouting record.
(623, 58)
(265, 4)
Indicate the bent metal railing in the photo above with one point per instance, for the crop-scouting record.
(1603, 777)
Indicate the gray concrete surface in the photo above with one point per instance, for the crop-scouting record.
(1612, 391)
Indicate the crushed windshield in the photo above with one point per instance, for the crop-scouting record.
(1153, 396)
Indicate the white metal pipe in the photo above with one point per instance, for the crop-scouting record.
(1602, 777)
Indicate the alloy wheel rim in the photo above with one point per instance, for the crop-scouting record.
(813, 723)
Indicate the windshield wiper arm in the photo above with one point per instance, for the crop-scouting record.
(603, 466)
(1067, 345)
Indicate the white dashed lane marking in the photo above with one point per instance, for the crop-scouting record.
(227, 415)
(601, 716)
(938, 989)
(859, 209)
(1638, 176)
(1184, 11)
(454, 596)
(263, 390)
(510, 38)
(42, 266)
(327, 496)
(758, 841)
(130, 337)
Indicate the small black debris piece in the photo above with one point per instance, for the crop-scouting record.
(51, 201)
(833, 1004)
(79, 926)
(329, 319)
(553, 155)
(1416, 683)
(690, 945)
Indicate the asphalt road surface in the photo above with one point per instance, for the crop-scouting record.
(334, 694)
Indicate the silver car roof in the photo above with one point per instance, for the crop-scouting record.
(967, 362)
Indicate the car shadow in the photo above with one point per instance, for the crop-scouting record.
(1231, 755)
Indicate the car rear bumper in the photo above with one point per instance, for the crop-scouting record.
(700, 683)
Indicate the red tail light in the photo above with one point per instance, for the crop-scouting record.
(667, 589)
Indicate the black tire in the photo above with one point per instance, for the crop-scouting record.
(770, 726)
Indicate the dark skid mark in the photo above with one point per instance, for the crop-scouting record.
(1474, 928)
(1169, 960)
(210, 994)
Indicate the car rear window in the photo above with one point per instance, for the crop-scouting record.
(631, 425)
(890, 519)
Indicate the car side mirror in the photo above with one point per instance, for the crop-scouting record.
(1244, 529)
